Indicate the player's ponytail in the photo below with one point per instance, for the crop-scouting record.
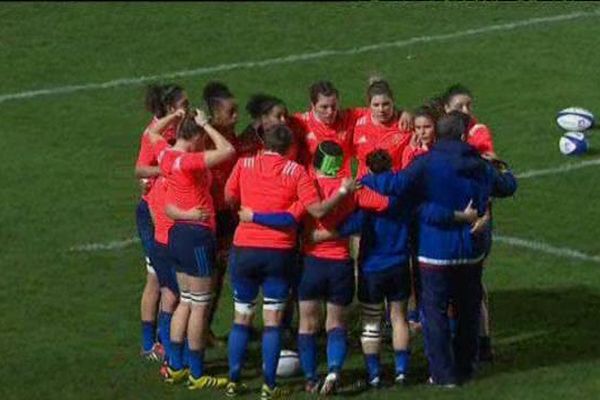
(188, 129)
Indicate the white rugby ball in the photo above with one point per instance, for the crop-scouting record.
(575, 119)
(573, 144)
(289, 364)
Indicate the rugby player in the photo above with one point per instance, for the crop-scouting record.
(262, 257)
(223, 112)
(161, 100)
(379, 127)
(383, 269)
(186, 166)
(450, 175)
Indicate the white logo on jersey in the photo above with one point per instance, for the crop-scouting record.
(177, 164)
(361, 121)
(342, 135)
(362, 139)
(311, 136)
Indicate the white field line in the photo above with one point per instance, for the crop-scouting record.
(294, 58)
(542, 247)
(558, 170)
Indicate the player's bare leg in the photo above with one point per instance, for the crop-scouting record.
(400, 339)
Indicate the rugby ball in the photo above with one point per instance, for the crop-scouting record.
(289, 364)
(573, 144)
(575, 119)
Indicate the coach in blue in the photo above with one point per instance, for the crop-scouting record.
(451, 175)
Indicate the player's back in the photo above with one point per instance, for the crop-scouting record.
(269, 182)
(188, 183)
(336, 249)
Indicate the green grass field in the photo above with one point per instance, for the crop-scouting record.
(70, 325)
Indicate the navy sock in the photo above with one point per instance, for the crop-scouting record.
(307, 347)
(164, 331)
(402, 359)
(236, 350)
(337, 348)
(196, 363)
(373, 368)
(148, 334)
(176, 356)
(185, 354)
(271, 346)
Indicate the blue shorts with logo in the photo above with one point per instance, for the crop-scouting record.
(252, 268)
(392, 284)
(164, 266)
(326, 279)
(193, 249)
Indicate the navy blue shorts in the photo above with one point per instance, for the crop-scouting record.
(253, 267)
(164, 267)
(193, 248)
(145, 228)
(393, 284)
(329, 280)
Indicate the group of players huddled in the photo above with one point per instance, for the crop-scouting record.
(279, 206)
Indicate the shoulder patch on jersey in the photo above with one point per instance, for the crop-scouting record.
(248, 162)
(289, 168)
(177, 163)
(362, 121)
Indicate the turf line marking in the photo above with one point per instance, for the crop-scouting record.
(293, 58)
(114, 245)
(520, 338)
(558, 170)
(511, 241)
(539, 246)
(542, 247)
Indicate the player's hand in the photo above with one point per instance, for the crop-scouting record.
(245, 214)
(480, 225)
(144, 185)
(179, 113)
(348, 185)
(200, 118)
(320, 235)
(405, 123)
(470, 213)
(199, 214)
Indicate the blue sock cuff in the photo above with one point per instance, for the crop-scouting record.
(271, 329)
(241, 327)
(337, 332)
(149, 324)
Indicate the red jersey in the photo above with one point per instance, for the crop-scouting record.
(221, 172)
(268, 182)
(410, 153)
(370, 135)
(314, 132)
(147, 155)
(338, 249)
(156, 202)
(480, 137)
(188, 183)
